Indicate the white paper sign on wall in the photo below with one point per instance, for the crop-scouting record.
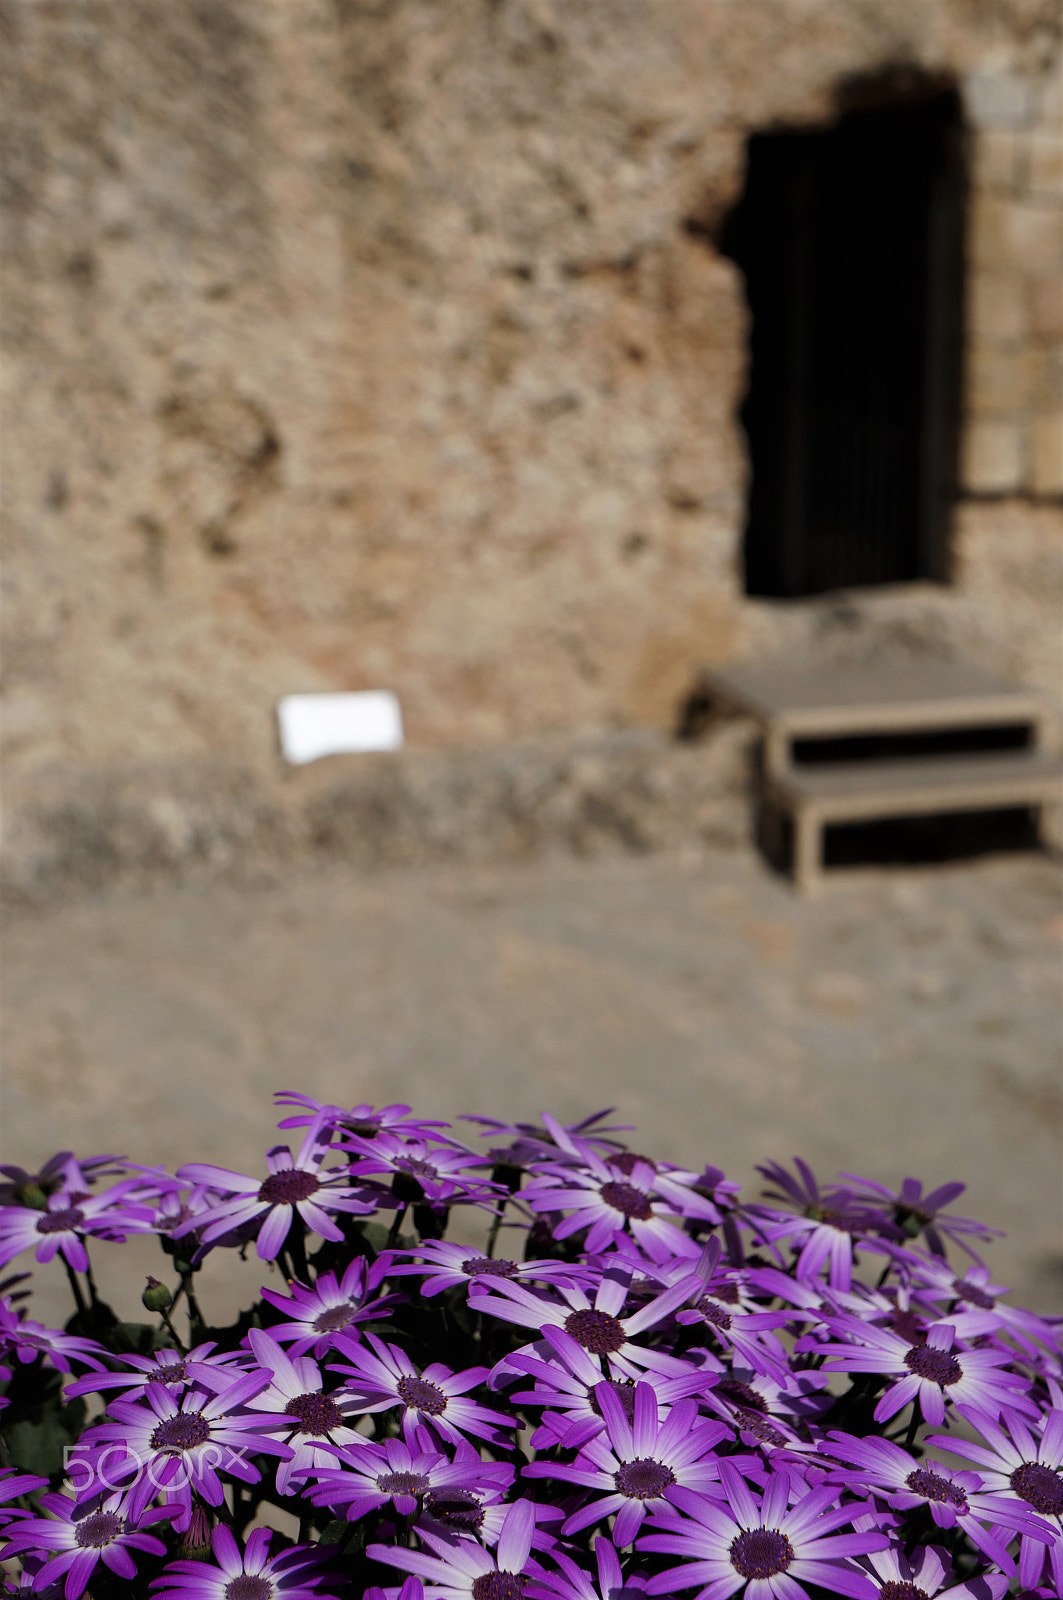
(313, 725)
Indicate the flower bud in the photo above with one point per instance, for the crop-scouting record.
(195, 1546)
(156, 1296)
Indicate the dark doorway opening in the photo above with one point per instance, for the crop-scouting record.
(851, 242)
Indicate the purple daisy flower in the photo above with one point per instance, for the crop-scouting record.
(71, 1215)
(421, 1169)
(412, 1589)
(757, 1403)
(331, 1306)
(570, 1582)
(637, 1462)
(929, 1373)
(925, 1573)
(12, 1486)
(913, 1213)
(973, 1295)
(953, 1498)
(363, 1119)
(293, 1186)
(828, 1221)
(61, 1171)
(177, 1444)
(598, 1327)
(294, 1574)
(609, 1203)
(384, 1377)
(166, 1366)
(566, 1384)
(1024, 1466)
(372, 1474)
(29, 1339)
(310, 1420)
(551, 1139)
(460, 1569)
(79, 1537)
(443, 1266)
(723, 1304)
(764, 1547)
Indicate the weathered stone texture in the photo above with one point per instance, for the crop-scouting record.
(358, 343)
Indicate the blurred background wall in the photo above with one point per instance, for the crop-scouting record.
(389, 344)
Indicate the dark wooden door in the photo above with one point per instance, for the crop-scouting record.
(850, 239)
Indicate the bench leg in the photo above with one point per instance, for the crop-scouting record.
(808, 849)
(1050, 827)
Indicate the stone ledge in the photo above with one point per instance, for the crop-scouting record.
(71, 833)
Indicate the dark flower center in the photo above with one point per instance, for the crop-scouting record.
(315, 1412)
(484, 1267)
(713, 1313)
(906, 1325)
(750, 1422)
(627, 1160)
(416, 1167)
(288, 1187)
(1040, 1487)
(973, 1295)
(643, 1478)
(740, 1394)
(183, 1432)
(335, 1317)
(934, 1487)
(94, 1532)
(624, 1197)
(625, 1393)
(61, 1221)
(936, 1365)
(892, 1590)
(761, 1553)
(597, 1332)
(727, 1292)
(170, 1372)
(249, 1586)
(402, 1483)
(422, 1396)
(498, 1586)
(455, 1508)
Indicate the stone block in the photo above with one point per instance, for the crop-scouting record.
(1033, 235)
(1046, 454)
(1020, 235)
(997, 308)
(996, 159)
(1044, 172)
(1045, 301)
(993, 457)
(1048, 383)
(997, 100)
(1000, 379)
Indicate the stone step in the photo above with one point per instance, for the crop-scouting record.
(860, 791)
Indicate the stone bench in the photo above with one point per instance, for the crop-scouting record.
(865, 791)
(793, 702)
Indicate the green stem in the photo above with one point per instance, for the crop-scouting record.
(72, 1278)
(913, 1426)
(165, 1315)
(492, 1237)
(395, 1226)
(91, 1280)
(195, 1316)
(297, 1247)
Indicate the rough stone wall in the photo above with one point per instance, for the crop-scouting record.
(383, 343)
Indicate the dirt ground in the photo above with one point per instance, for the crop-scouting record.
(905, 1023)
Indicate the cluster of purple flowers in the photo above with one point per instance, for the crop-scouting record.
(636, 1384)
